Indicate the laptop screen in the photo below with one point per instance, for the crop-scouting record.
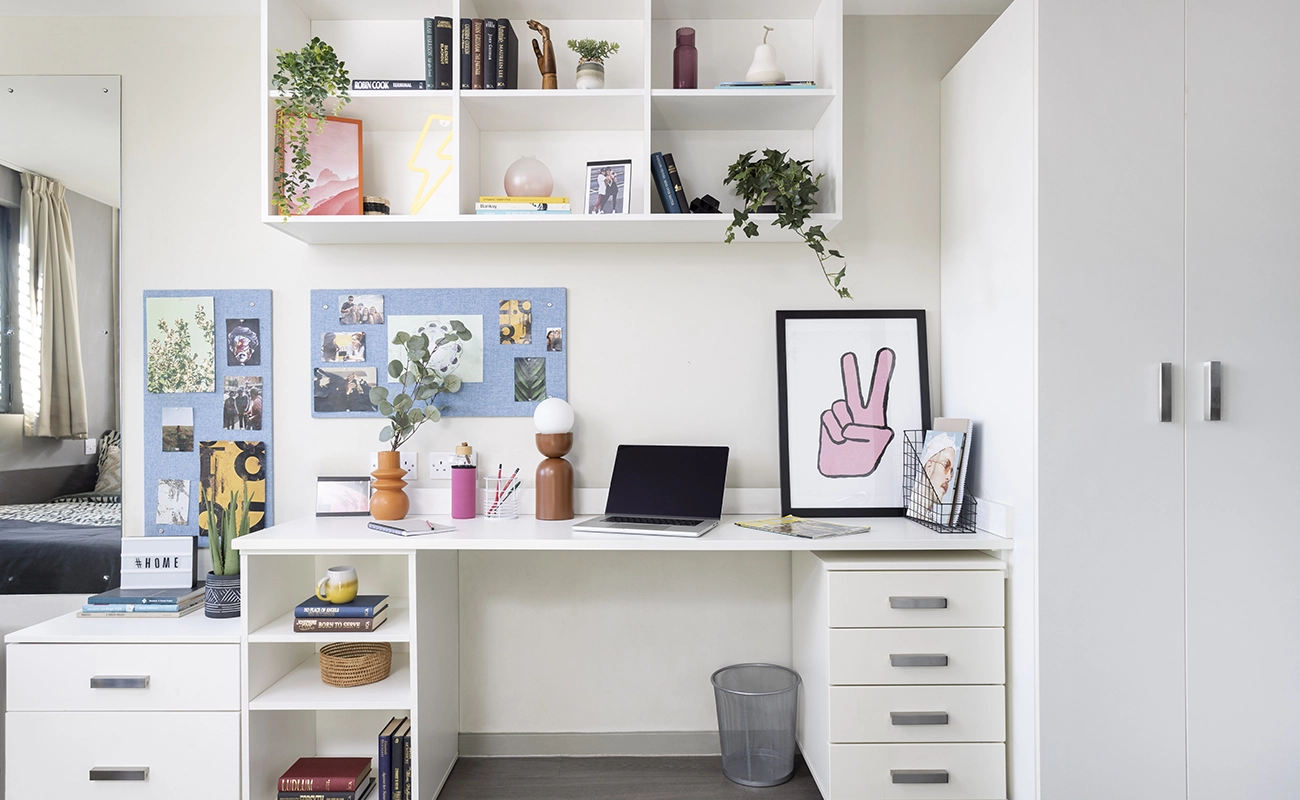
(668, 480)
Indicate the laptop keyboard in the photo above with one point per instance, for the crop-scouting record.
(685, 523)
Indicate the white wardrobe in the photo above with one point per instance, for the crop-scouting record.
(1121, 190)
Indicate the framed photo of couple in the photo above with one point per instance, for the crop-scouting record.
(849, 384)
(608, 184)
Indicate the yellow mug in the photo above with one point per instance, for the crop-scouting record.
(338, 586)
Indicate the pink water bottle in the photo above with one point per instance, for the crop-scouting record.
(464, 484)
(685, 60)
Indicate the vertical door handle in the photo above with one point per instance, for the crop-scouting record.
(119, 773)
(1213, 391)
(1166, 391)
(918, 775)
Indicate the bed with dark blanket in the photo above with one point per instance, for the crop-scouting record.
(60, 548)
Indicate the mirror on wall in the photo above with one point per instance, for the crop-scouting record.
(60, 455)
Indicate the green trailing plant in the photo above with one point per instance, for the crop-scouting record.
(592, 50)
(226, 524)
(780, 181)
(427, 371)
(304, 79)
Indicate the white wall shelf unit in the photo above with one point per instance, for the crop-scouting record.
(637, 114)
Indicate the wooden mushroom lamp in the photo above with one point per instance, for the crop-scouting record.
(554, 421)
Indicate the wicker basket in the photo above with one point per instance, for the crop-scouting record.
(347, 664)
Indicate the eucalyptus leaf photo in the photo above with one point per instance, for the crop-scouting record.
(181, 354)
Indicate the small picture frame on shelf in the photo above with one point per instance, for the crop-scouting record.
(343, 497)
(336, 167)
(608, 184)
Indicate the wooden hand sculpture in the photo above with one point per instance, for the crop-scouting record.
(545, 55)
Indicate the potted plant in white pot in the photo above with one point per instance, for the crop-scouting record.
(591, 61)
(221, 597)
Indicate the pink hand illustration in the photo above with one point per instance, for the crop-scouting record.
(854, 436)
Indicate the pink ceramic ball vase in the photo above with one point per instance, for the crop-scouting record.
(529, 177)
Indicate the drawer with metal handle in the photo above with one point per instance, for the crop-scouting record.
(905, 656)
(884, 714)
(920, 771)
(952, 599)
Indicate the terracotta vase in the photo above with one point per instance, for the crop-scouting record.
(554, 477)
(388, 501)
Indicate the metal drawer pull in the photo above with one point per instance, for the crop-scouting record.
(119, 682)
(918, 775)
(1166, 391)
(119, 773)
(918, 602)
(1213, 391)
(918, 660)
(918, 718)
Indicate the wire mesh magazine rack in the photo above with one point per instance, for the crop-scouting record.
(924, 490)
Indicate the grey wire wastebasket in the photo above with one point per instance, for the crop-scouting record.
(757, 704)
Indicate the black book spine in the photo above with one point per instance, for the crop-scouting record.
(442, 51)
(406, 765)
(676, 181)
(507, 55)
(399, 781)
(429, 59)
(476, 48)
(489, 54)
(466, 52)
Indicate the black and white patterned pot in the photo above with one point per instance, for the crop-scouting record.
(221, 598)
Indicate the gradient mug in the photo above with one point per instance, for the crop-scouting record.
(338, 586)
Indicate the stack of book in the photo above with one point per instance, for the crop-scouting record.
(489, 54)
(768, 85)
(522, 205)
(669, 184)
(144, 603)
(437, 62)
(332, 778)
(365, 613)
(395, 760)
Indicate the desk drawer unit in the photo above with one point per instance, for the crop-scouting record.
(123, 677)
(141, 755)
(903, 661)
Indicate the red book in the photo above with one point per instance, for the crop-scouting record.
(325, 775)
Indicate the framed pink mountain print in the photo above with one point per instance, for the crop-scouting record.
(335, 170)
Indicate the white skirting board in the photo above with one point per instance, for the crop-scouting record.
(622, 743)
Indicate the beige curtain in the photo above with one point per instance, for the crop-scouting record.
(45, 240)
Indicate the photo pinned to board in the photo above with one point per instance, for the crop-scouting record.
(361, 309)
(181, 355)
(241, 403)
(343, 346)
(243, 343)
(342, 389)
(516, 322)
(178, 430)
(455, 342)
(229, 472)
(173, 502)
(530, 379)
(554, 340)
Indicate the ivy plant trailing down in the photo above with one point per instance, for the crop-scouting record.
(780, 181)
(421, 383)
(304, 79)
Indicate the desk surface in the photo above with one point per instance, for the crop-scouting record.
(529, 533)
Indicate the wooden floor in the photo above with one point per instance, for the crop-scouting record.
(611, 778)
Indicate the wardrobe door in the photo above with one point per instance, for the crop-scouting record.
(1110, 515)
(1243, 470)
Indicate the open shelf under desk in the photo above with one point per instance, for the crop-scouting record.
(303, 690)
(397, 628)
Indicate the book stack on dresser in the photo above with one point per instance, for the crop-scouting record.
(327, 779)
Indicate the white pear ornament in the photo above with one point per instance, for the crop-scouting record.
(765, 69)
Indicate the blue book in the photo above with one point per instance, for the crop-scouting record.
(365, 605)
(665, 186)
(386, 759)
(171, 597)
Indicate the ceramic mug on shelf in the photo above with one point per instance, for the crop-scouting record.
(338, 586)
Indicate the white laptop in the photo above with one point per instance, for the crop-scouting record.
(663, 490)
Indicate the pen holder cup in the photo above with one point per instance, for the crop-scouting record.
(498, 501)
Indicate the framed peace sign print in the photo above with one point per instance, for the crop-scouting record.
(849, 384)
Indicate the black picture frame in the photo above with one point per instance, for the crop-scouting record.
(324, 481)
(850, 448)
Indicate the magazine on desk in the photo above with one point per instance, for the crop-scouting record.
(803, 528)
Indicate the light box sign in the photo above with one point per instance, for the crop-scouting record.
(159, 562)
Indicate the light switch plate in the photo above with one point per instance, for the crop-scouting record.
(92, 447)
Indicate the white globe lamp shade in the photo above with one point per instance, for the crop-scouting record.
(553, 415)
(529, 177)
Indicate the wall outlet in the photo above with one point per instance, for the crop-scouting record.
(409, 462)
(92, 447)
(439, 464)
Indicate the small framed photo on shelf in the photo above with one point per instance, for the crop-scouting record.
(342, 497)
(849, 384)
(608, 184)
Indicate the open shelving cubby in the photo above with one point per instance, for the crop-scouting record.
(638, 113)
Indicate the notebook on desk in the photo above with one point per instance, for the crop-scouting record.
(663, 490)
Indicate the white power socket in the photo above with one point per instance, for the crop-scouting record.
(409, 462)
(92, 447)
(439, 464)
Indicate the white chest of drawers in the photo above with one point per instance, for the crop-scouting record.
(903, 663)
(123, 708)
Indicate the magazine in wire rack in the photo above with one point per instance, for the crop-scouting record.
(931, 484)
(803, 528)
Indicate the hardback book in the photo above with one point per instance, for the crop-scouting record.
(359, 794)
(442, 53)
(372, 85)
(364, 605)
(507, 55)
(476, 49)
(344, 625)
(935, 481)
(522, 207)
(507, 199)
(141, 614)
(490, 54)
(406, 763)
(550, 212)
(385, 761)
(768, 85)
(966, 426)
(666, 194)
(430, 57)
(170, 596)
(141, 608)
(409, 527)
(400, 738)
(336, 774)
(466, 52)
(683, 204)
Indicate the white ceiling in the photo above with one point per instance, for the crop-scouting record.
(65, 127)
(129, 8)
